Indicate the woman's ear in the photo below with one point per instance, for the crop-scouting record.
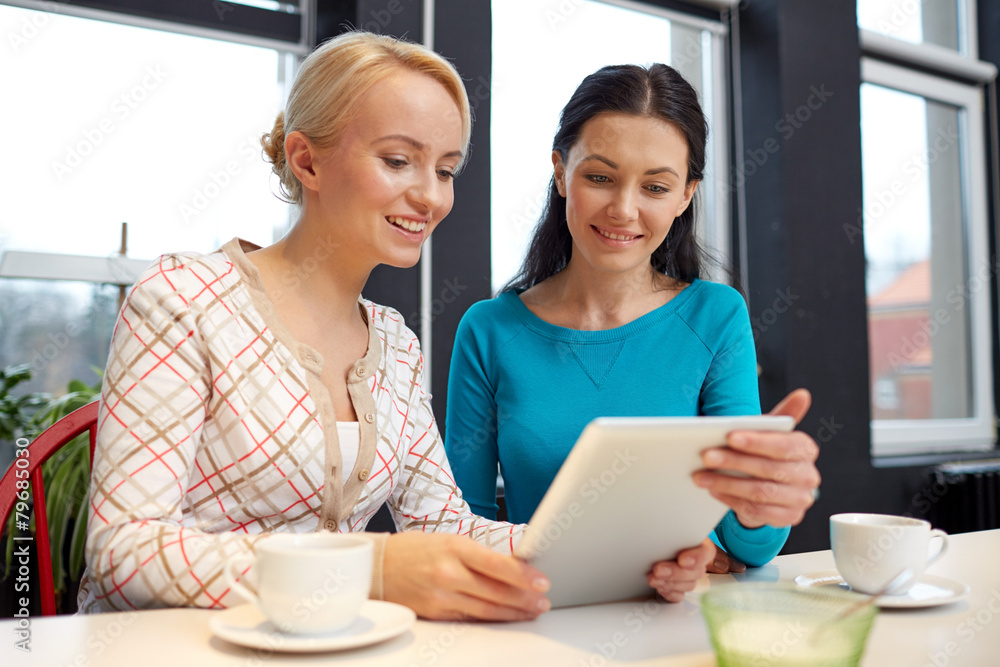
(688, 195)
(560, 173)
(301, 158)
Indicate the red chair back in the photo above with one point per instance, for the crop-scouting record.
(38, 452)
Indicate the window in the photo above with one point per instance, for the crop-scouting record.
(559, 43)
(136, 121)
(940, 22)
(924, 224)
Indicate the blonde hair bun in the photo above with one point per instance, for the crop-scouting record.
(273, 144)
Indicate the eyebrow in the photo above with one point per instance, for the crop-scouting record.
(650, 172)
(413, 142)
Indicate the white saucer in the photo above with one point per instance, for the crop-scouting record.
(246, 625)
(928, 591)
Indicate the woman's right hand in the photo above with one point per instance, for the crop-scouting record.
(453, 577)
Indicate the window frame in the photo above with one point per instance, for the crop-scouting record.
(976, 433)
(968, 39)
(120, 269)
(228, 21)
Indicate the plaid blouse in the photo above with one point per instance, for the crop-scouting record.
(216, 429)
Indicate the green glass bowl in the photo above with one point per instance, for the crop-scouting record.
(779, 624)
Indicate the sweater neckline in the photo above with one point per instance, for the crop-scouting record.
(236, 251)
(513, 300)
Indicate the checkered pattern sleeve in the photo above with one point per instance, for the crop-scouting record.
(426, 497)
(153, 412)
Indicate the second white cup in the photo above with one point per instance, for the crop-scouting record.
(307, 583)
(870, 550)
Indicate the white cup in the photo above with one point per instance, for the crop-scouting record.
(307, 583)
(870, 550)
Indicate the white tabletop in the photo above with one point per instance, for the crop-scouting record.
(637, 633)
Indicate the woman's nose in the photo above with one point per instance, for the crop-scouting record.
(623, 206)
(428, 191)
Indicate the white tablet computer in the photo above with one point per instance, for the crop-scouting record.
(623, 500)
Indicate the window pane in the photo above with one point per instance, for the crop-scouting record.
(917, 276)
(123, 124)
(542, 50)
(914, 21)
(63, 329)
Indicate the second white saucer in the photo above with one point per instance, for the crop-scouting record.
(928, 591)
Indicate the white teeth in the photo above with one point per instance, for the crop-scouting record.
(409, 225)
(615, 237)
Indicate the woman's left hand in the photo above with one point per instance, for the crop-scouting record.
(782, 470)
(724, 563)
(673, 578)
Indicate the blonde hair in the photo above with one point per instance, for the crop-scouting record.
(323, 99)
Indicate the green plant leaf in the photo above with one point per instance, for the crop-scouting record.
(66, 475)
(77, 386)
(76, 553)
(15, 375)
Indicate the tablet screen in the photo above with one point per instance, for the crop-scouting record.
(623, 500)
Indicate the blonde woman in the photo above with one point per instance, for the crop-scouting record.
(254, 390)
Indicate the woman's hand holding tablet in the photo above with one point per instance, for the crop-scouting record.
(778, 478)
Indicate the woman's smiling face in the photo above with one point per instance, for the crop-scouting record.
(388, 180)
(624, 180)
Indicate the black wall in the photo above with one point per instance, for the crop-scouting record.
(802, 173)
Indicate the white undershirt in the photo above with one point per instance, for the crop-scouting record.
(349, 434)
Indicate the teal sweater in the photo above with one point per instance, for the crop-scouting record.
(520, 391)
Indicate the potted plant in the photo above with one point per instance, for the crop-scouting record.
(66, 477)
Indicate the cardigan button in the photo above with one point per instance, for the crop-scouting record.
(330, 525)
(363, 475)
(370, 417)
(360, 371)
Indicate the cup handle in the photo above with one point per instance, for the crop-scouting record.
(238, 588)
(937, 532)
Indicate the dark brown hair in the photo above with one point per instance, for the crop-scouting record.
(659, 92)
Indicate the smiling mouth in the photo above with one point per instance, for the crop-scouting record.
(616, 237)
(408, 225)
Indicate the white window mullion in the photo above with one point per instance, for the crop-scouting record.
(114, 269)
(930, 56)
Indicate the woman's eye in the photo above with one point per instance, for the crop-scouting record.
(598, 178)
(445, 175)
(658, 190)
(395, 163)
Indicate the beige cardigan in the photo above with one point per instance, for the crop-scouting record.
(215, 429)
